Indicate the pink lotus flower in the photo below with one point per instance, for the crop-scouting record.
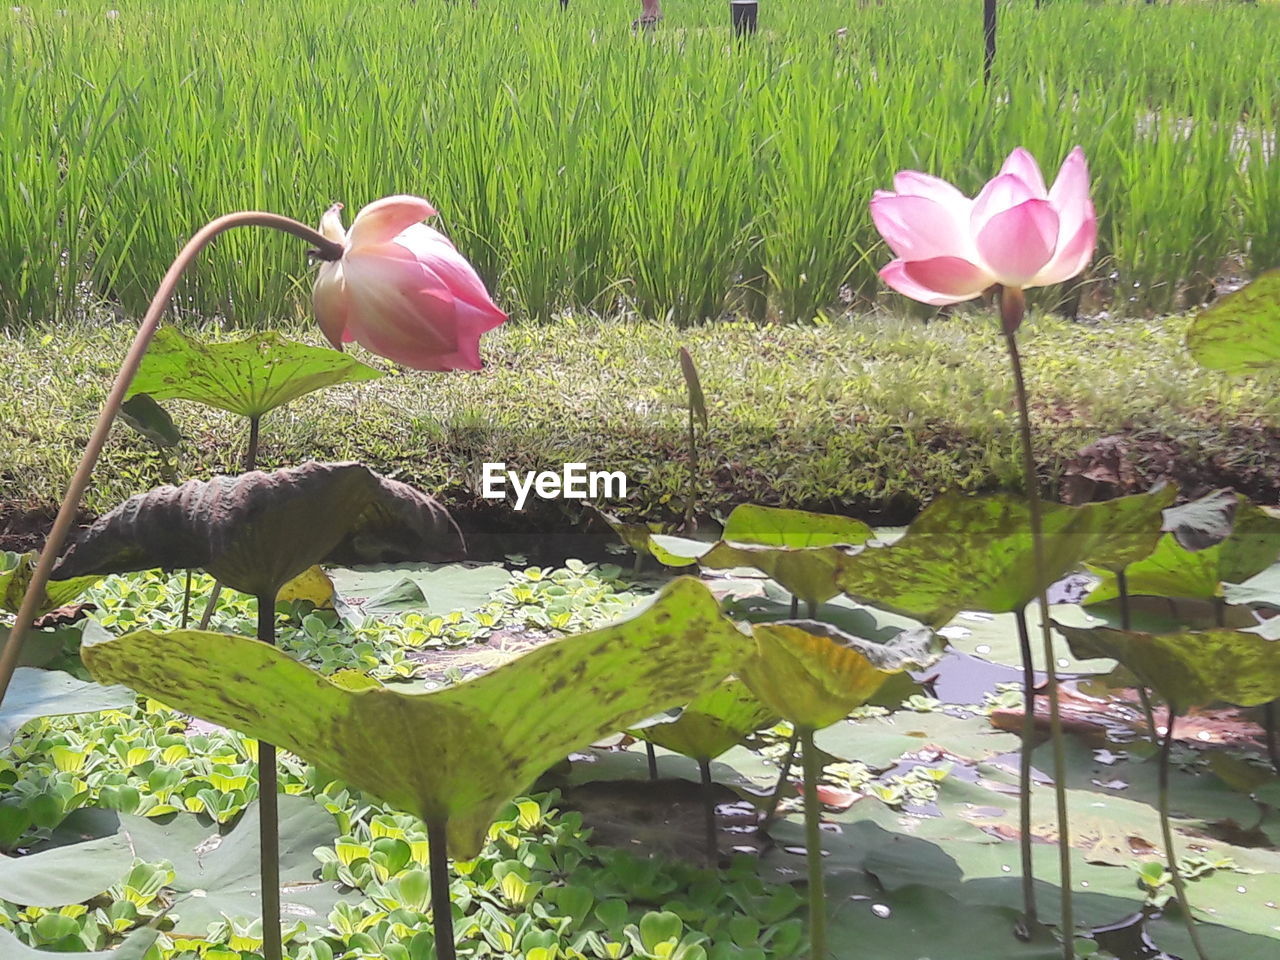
(401, 289)
(1015, 233)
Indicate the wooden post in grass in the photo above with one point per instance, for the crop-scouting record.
(744, 14)
(989, 39)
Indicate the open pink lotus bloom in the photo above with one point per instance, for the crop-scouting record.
(1015, 233)
(401, 289)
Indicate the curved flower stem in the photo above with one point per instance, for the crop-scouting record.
(1012, 310)
(813, 847)
(326, 249)
(1171, 857)
(1029, 911)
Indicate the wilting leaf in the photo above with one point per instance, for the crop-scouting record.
(975, 553)
(151, 420)
(714, 722)
(697, 402)
(1192, 668)
(49, 693)
(135, 947)
(1172, 570)
(257, 531)
(15, 580)
(65, 875)
(312, 586)
(813, 674)
(798, 549)
(216, 875)
(1200, 524)
(1240, 333)
(457, 753)
(249, 377)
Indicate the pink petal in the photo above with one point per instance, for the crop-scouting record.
(1001, 193)
(1015, 245)
(1023, 165)
(919, 228)
(329, 300)
(913, 183)
(399, 308)
(1070, 197)
(384, 219)
(939, 281)
(437, 251)
(1071, 258)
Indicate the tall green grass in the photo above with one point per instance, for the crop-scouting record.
(582, 167)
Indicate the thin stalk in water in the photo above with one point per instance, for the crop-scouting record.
(250, 463)
(1171, 857)
(1029, 910)
(1126, 623)
(709, 812)
(186, 604)
(325, 249)
(652, 756)
(813, 847)
(1013, 309)
(269, 812)
(784, 775)
(1273, 742)
(441, 904)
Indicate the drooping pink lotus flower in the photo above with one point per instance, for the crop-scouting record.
(1015, 233)
(401, 289)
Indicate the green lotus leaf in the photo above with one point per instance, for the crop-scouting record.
(798, 549)
(151, 420)
(457, 754)
(1190, 668)
(813, 674)
(1240, 333)
(15, 579)
(1173, 570)
(37, 693)
(248, 377)
(65, 875)
(976, 553)
(257, 531)
(714, 722)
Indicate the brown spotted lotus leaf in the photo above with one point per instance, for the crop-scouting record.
(257, 531)
(456, 754)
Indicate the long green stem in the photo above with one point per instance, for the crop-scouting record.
(1126, 623)
(709, 812)
(813, 847)
(1010, 311)
(441, 903)
(326, 249)
(652, 756)
(269, 811)
(1171, 856)
(250, 463)
(1029, 911)
(1273, 742)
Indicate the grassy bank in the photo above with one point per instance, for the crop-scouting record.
(583, 167)
(867, 414)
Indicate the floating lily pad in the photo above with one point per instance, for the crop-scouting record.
(217, 874)
(455, 754)
(257, 531)
(135, 947)
(249, 377)
(50, 693)
(65, 875)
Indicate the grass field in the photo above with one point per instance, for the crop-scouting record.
(585, 168)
